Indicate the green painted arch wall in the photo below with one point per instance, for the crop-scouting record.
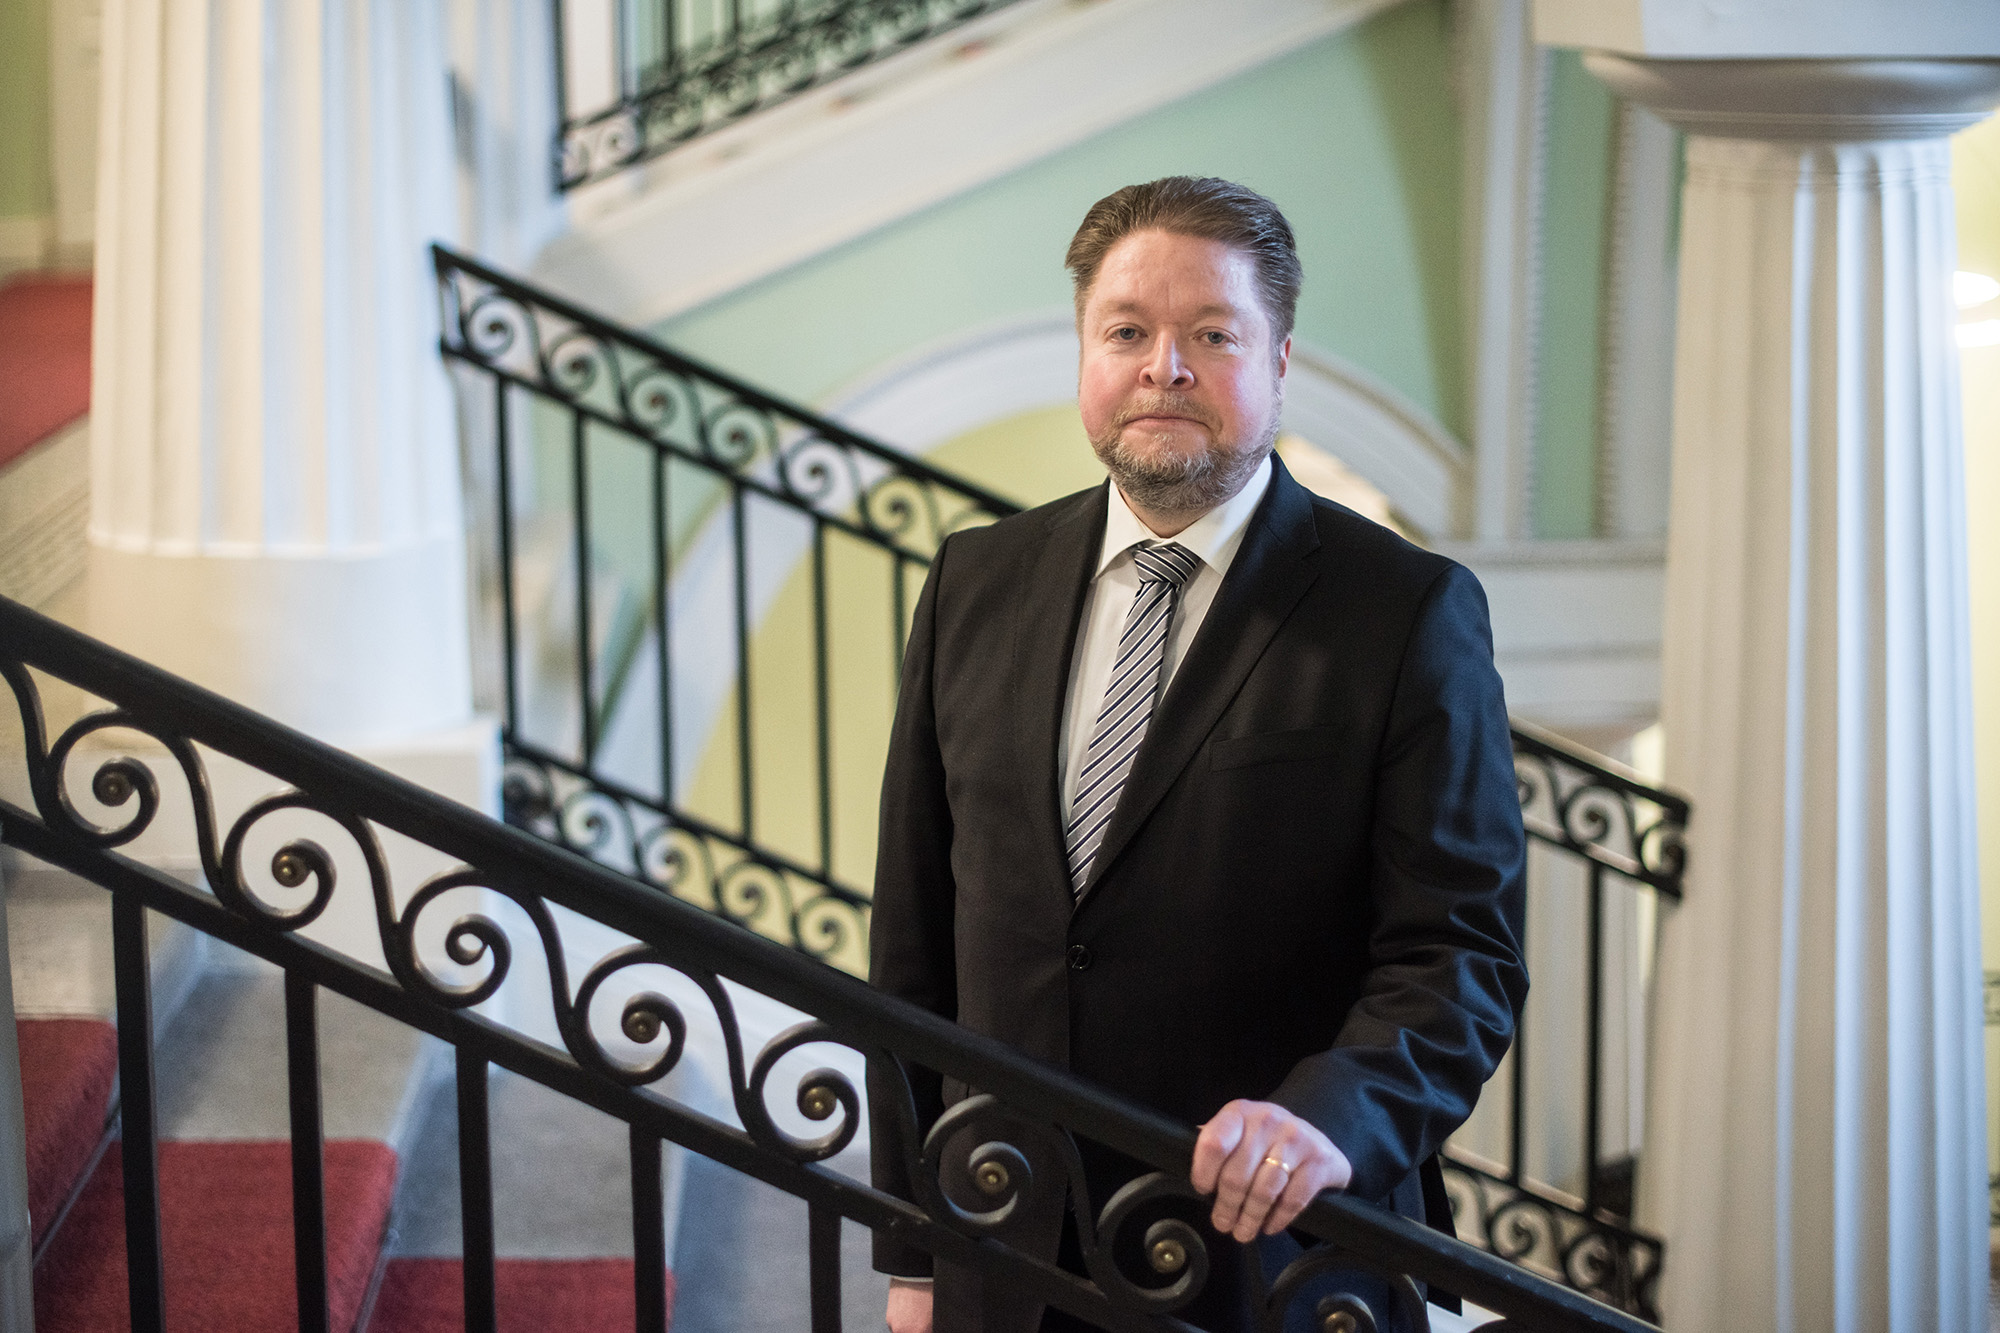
(1356, 136)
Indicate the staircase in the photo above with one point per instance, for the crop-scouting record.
(391, 1237)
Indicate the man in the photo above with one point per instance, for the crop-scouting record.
(1201, 786)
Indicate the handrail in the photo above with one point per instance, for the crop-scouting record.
(1040, 1103)
(463, 342)
(676, 84)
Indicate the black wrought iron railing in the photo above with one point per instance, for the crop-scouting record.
(765, 550)
(142, 762)
(1607, 847)
(670, 70)
(770, 559)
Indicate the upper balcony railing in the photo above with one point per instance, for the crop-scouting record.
(637, 77)
(142, 763)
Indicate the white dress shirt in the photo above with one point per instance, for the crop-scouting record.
(1214, 537)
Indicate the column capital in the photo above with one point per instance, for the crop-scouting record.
(1820, 100)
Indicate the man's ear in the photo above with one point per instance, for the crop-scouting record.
(1284, 356)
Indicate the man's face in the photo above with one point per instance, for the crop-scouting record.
(1179, 384)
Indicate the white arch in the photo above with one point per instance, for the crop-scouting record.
(1005, 369)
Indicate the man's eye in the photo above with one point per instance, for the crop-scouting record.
(1215, 337)
(1126, 334)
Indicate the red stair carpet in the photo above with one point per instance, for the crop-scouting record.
(67, 1065)
(226, 1210)
(532, 1295)
(44, 358)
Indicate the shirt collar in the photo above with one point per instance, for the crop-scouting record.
(1214, 537)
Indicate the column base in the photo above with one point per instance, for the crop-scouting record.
(353, 649)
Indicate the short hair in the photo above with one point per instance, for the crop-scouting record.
(1202, 206)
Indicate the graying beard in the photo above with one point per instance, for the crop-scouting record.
(1192, 485)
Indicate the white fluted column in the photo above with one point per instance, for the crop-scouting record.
(1816, 1151)
(275, 504)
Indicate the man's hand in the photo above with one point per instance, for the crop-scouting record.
(909, 1306)
(1263, 1165)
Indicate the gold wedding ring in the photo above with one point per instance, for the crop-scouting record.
(1282, 1166)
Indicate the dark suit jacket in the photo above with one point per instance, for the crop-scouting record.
(1311, 891)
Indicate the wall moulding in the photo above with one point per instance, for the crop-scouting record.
(1843, 100)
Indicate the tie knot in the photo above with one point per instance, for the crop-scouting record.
(1168, 562)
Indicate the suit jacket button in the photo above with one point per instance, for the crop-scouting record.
(1079, 958)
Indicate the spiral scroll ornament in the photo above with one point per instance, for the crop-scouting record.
(696, 864)
(823, 1094)
(621, 382)
(1148, 1250)
(989, 1170)
(1304, 1281)
(1633, 830)
(1555, 1236)
(984, 1167)
(291, 866)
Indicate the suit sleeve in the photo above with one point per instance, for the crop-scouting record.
(911, 942)
(1446, 976)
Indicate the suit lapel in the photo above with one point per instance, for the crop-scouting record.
(1044, 642)
(1272, 570)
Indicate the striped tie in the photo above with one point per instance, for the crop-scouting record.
(1128, 702)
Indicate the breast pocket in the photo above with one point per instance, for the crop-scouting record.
(1272, 747)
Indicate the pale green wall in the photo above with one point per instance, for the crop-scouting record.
(1354, 136)
(1576, 198)
(25, 188)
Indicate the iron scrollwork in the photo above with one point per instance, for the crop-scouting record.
(694, 861)
(749, 447)
(1006, 1168)
(125, 783)
(1581, 807)
(622, 380)
(1540, 1230)
(688, 89)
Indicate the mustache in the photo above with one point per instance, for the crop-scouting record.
(1164, 405)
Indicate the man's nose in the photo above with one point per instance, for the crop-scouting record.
(1167, 368)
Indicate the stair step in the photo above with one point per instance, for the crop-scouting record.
(67, 1068)
(222, 1070)
(59, 942)
(531, 1295)
(44, 358)
(741, 1261)
(226, 1212)
(562, 1179)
